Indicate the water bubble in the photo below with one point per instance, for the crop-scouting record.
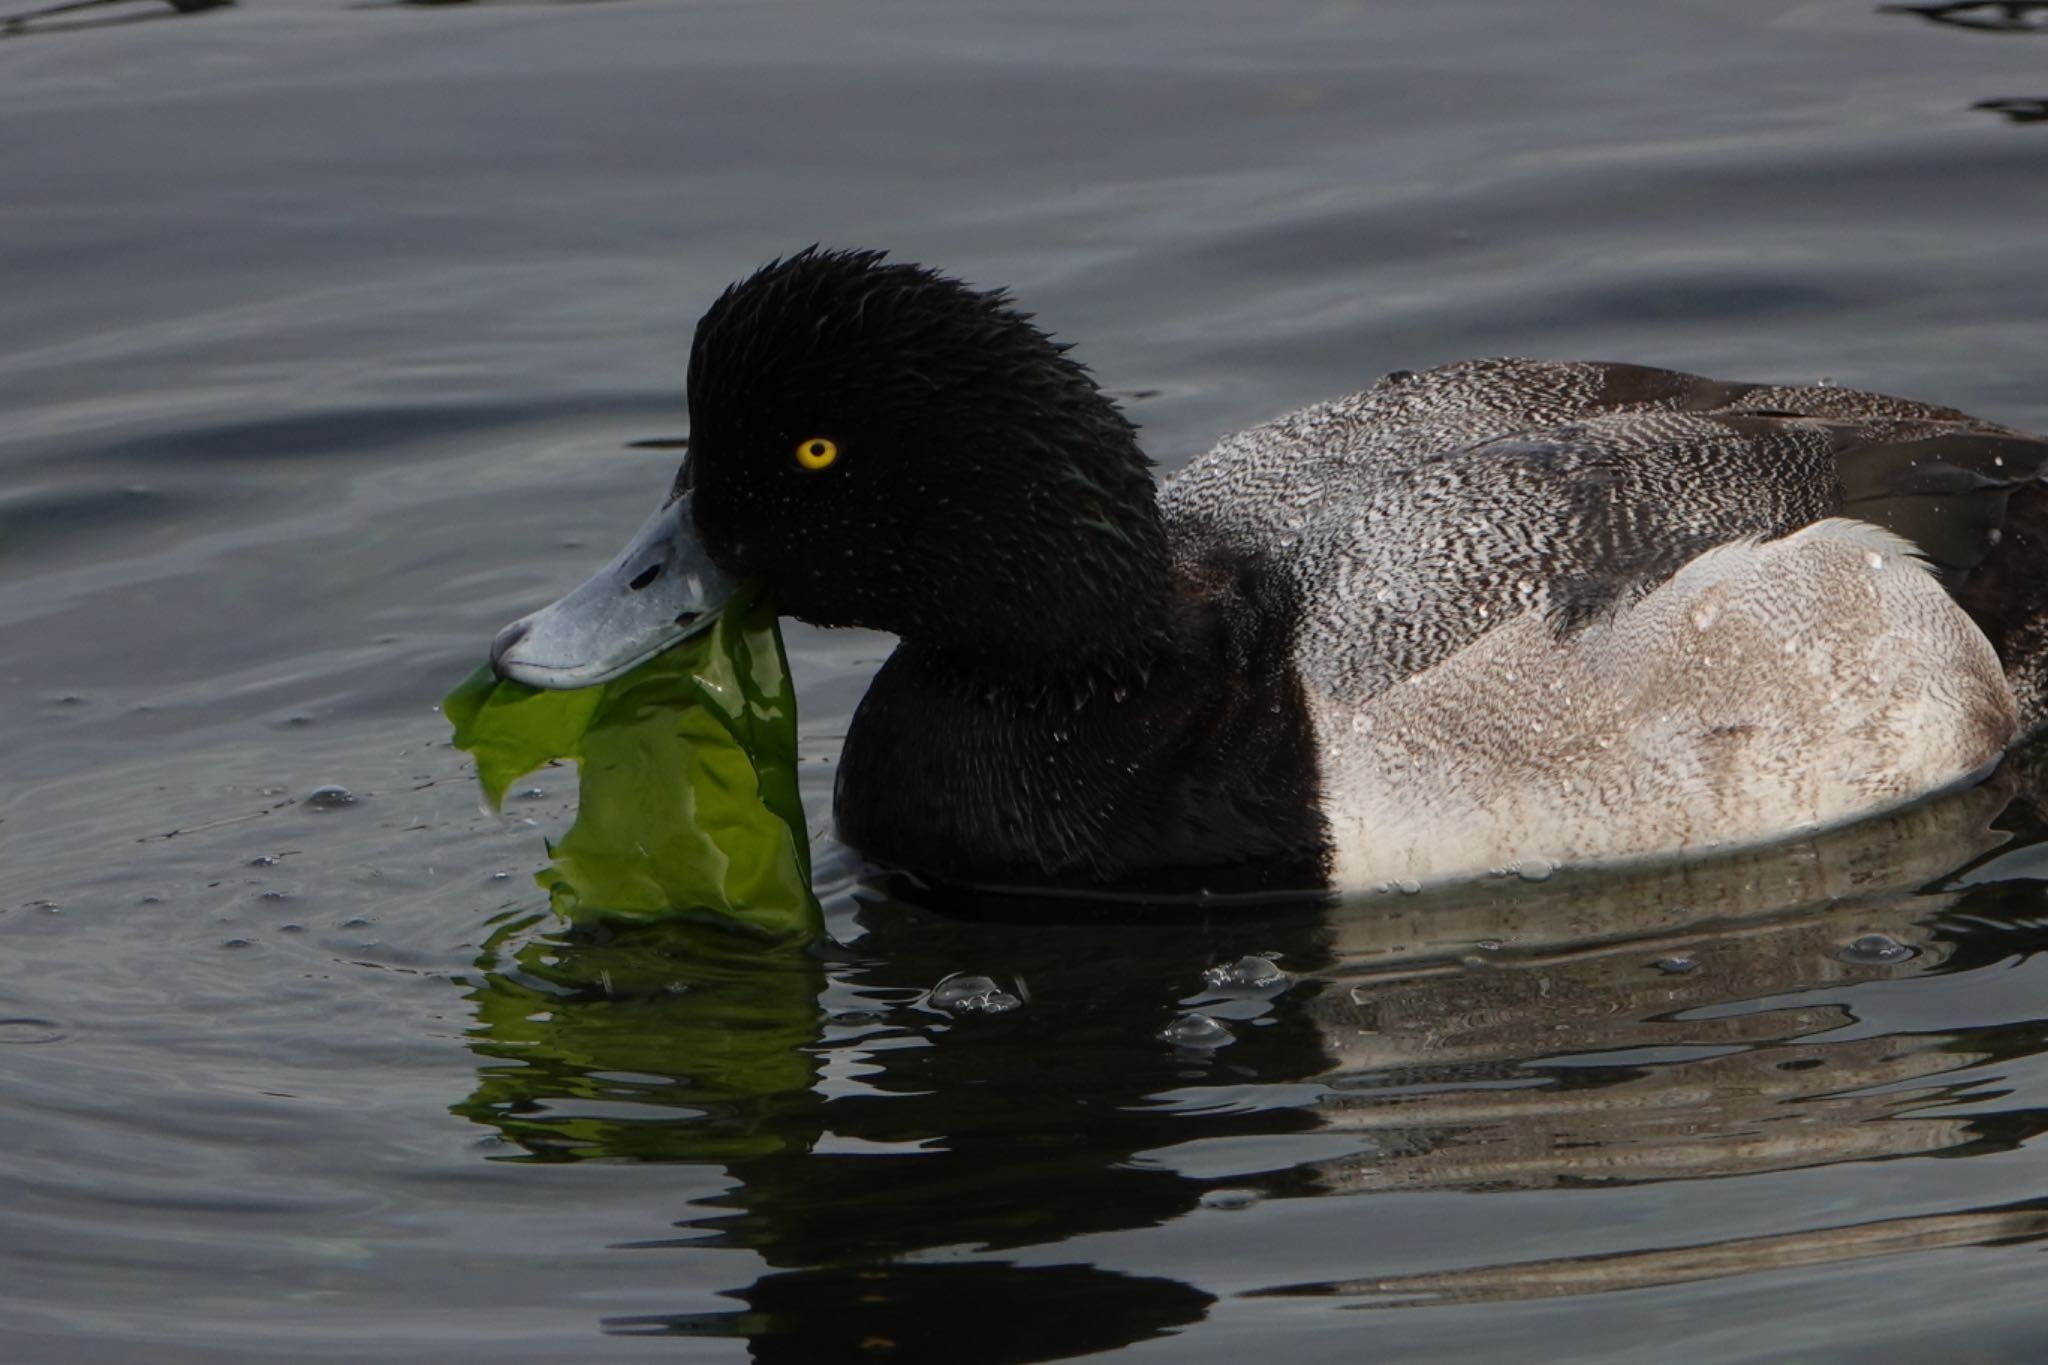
(1198, 1032)
(1873, 559)
(235, 943)
(961, 993)
(501, 876)
(28, 1032)
(1230, 1200)
(1877, 950)
(291, 928)
(357, 923)
(263, 860)
(532, 794)
(1251, 973)
(1535, 869)
(275, 896)
(1679, 965)
(329, 797)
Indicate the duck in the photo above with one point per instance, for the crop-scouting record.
(1498, 616)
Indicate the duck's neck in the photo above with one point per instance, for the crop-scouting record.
(1170, 752)
(1078, 574)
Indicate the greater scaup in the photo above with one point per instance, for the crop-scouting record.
(1504, 614)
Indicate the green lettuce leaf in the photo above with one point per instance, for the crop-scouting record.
(687, 802)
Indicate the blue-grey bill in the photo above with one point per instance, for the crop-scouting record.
(661, 589)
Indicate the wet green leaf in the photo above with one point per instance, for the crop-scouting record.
(687, 800)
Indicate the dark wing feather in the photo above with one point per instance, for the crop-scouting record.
(1948, 492)
(1970, 495)
(1936, 477)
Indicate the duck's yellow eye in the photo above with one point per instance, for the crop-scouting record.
(817, 452)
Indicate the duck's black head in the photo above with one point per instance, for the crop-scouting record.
(880, 446)
(887, 447)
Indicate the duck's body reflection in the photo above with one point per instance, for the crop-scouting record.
(1688, 1022)
(1605, 1039)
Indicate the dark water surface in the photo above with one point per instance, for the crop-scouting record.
(325, 334)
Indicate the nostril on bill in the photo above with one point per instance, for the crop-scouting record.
(507, 640)
(645, 576)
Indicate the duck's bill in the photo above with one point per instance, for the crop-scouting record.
(661, 589)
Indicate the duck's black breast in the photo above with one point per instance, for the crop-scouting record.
(1178, 760)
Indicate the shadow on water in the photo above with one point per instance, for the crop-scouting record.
(1981, 16)
(2017, 110)
(1688, 1022)
(132, 11)
(863, 1124)
(1991, 16)
(77, 15)
(454, 4)
(1002, 1312)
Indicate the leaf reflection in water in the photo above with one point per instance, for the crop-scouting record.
(661, 1041)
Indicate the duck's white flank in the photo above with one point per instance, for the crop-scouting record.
(1765, 689)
